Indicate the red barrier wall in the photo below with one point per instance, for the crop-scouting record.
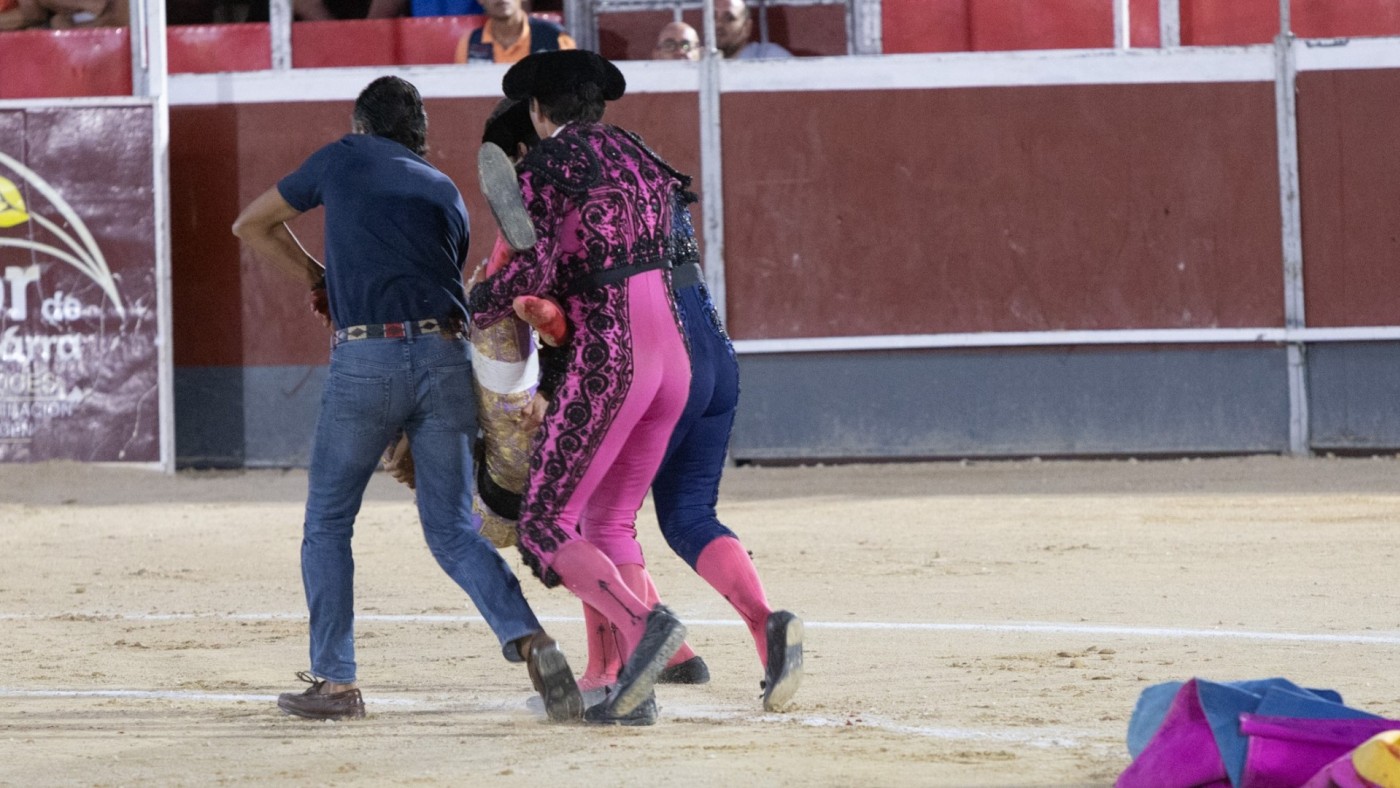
(206, 274)
(932, 26)
(1048, 24)
(938, 25)
(379, 42)
(65, 63)
(97, 62)
(208, 49)
(233, 310)
(1012, 209)
(1350, 169)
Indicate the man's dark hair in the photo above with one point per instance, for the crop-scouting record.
(585, 103)
(391, 108)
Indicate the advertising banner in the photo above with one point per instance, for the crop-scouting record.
(79, 362)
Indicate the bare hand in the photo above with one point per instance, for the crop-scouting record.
(398, 461)
(321, 305)
(532, 415)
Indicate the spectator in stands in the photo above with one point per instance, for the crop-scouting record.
(677, 41)
(733, 31)
(11, 18)
(510, 34)
(64, 14)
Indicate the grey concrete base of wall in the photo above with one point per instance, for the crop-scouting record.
(1012, 403)
(1354, 391)
(246, 417)
(1048, 402)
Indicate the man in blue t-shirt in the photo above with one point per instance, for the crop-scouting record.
(396, 238)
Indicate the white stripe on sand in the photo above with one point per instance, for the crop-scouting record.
(1037, 737)
(1024, 627)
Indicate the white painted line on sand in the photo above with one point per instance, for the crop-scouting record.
(1017, 627)
(222, 697)
(1036, 737)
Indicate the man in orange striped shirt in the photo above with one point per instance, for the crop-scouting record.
(510, 34)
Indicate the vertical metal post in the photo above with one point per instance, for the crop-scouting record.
(864, 27)
(712, 164)
(581, 19)
(1286, 108)
(1169, 22)
(150, 79)
(1122, 25)
(140, 48)
(280, 24)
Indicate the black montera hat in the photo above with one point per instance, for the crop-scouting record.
(509, 125)
(548, 74)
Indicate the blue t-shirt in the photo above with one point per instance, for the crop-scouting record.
(396, 230)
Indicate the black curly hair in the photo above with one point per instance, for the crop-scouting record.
(391, 107)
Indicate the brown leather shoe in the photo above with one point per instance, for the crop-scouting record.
(313, 704)
(552, 678)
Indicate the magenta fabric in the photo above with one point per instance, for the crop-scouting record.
(1285, 752)
(610, 492)
(600, 203)
(1182, 753)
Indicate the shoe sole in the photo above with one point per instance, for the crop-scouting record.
(692, 671)
(632, 695)
(629, 722)
(562, 701)
(501, 187)
(790, 678)
(301, 714)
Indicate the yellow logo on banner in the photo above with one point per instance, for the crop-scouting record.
(11, 205)
(81, 252)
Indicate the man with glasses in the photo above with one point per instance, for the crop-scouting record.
(677, 41)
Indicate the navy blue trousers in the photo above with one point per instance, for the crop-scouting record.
(686, 488)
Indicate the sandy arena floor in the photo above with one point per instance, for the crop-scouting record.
(967, 624)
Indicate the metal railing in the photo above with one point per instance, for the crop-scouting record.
(863, 28)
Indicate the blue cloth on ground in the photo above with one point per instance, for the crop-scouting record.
(1223, 702)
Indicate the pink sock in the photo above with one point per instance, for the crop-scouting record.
(603, 660)
(725, 565)
(595, 580)
(639, 580)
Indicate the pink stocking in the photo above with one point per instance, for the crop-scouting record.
(725, 565)
(603, 659)
(639, 580)
(595, 580)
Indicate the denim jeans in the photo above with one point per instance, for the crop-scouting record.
(424, 385)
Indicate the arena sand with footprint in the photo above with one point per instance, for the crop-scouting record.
(984, 623)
